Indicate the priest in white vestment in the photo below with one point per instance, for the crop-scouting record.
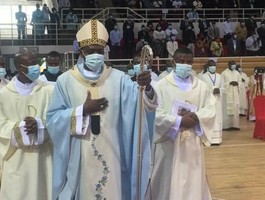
(25, 147)
(169, 68)
(3, 80)
(184, 122)
(213, 80)
(93, 122)
(243, 102)
(231, 96)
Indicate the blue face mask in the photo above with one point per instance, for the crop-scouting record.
(86, 73)
(183, 70)
(169, 69)
(137, 68)
(233, 67)
(33, 72)
(53, 70)
(212, 69)
(131, 72)
(2, 72)
(94, 62)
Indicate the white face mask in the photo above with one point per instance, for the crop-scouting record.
(212, 69)
(2, 72)
(94, 62)
(183, 70)
(137, 68)
(233, 67)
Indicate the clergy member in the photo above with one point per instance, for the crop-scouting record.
(53, 67)
(243, 101)
(3, 80)
(25, 147)
(230, 99)
(213, 80)
(169, 68)
(93, 122)
(184, 120)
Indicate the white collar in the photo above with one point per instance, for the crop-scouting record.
(24, 89)
(183, 84)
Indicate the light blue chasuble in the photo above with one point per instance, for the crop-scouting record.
(100, 166)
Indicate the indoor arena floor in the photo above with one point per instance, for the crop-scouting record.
(236, 169)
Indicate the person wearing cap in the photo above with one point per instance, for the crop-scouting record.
(93, 123)
(3, 80)
(231, 82)
(25, 146)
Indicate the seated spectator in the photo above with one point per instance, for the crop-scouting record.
(203, 25)
(177, 4)
(201, 46)
(157, 4)
(140, 44)
(197, 4)
(140, 4)
(261, 33)
(193, 15)
(253, 44)
(213, 32)
(189, 39)
(216, 47)
(228, 29)
(163, 23)
(234, 46)
(241, 32)
(172, 46)
(128, 23)
(159, 37)
(170, 31)
(110, 23)
(184, 26)
(149, 30)
(131, 4)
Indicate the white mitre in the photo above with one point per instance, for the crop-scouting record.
(93, 32)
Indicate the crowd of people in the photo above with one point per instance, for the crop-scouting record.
(75, 135)
(243, 38)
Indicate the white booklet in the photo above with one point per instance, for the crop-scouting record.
(181, 106)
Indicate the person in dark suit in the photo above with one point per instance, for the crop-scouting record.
(234, 46)
(203, 25)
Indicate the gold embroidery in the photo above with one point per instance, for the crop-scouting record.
(17, 135)
(94, 39)
(90, 41)
(34, 110)
(73, 123)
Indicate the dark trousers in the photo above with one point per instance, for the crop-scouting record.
(21, 32)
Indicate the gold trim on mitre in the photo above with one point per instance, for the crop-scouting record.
(97, 35)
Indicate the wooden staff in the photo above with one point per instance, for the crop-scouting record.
(146, 59)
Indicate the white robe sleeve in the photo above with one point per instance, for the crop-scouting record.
(149, 102)
(82, 123)
(29, 139)
(39, 138)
